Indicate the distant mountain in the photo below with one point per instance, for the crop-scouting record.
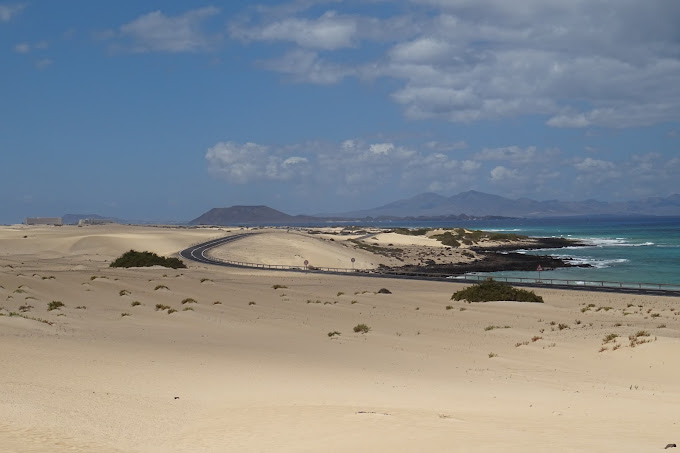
(474, 203)
(468, 205)
(240, 215)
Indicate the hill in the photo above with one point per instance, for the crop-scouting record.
(474, 203)
(242, 215)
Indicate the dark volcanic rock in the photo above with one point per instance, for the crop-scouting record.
(539, 244)
(501, 258)
(491, 262)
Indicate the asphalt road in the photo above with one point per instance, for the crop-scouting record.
(198, 253)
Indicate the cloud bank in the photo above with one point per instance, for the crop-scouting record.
(578, 64)
(357, 167)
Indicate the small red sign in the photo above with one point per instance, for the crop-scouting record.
(306, 262)
(539, 268)
(353, 260)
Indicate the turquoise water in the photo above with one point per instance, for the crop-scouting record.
(636, 250)
(620, 250)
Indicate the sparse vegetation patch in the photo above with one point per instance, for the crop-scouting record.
(362, 328)
(491, 290)
(134, 258)
(54, 305)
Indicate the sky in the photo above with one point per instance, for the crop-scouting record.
(161, 110)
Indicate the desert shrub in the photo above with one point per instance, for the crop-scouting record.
(491, 290)
(412, 232)
(162, 307)
(189, 300)
(384, 291)
(146, 259)
(217, 302)
(54, 305)
(135, 303)
(122, 315)
(361, 328)
(277, 286)
(251, 302)
(609, 337)
(447, 239)
(449, 307)
(160, 287)
(123, 292)
(334, 333)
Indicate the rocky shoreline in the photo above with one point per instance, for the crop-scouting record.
(500, 258)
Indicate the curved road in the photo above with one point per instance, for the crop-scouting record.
(197, 253)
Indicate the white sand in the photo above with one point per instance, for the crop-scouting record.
(266, 377)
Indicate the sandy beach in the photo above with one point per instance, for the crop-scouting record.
(244, 362)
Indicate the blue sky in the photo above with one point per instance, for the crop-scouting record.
(161, 110)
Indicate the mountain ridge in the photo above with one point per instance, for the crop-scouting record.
(475, 203)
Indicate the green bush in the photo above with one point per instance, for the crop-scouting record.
(491, 290)
(55, 305)
(146, 259)
(361, 328)
(412, 232)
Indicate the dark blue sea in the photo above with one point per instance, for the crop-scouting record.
(625, 249)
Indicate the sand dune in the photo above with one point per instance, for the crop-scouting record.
(258, 372)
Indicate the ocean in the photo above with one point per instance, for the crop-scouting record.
(624, 249)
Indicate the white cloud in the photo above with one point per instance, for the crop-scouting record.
(22, 47)
(349, 167)
(578, 64)
(381, 148)
(421, 50)
(443, 146)
(304, 65)
(8, 11)
(251, 162)
(43, 63)
(470, 166)
(501, 173)
(565, 120)
(329, 31)
(156, 32)
(590, 164)
(357, 167)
